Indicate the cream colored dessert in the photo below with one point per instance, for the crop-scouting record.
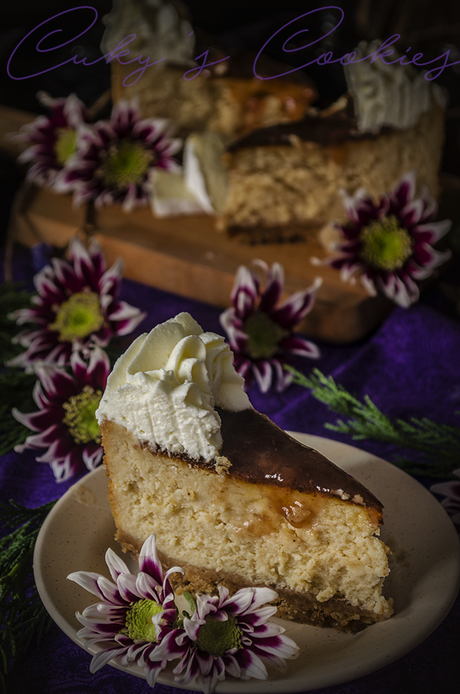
(287, 179)
(232, 498)
(225, 97)
(212, 102)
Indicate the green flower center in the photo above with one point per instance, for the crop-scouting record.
(78, 317)
(138, 622)
(65, 145)
(80, 415)
(218, 637)
(125, 164)
(385, 245)
(264, 335)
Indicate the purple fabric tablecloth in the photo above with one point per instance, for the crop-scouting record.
(409, 367)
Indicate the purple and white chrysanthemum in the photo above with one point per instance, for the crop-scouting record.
(51, 140)
(260, 331)
(116, 157)
(76, 306)
(451, 491)
(65, 423)
(228, 636)
(389, 243)
(139, 621)
(135, 615)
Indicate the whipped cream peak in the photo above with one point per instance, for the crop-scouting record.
(165, 387)
(388, 95)
(161, 30)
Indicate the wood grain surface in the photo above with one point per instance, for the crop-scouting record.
(188, 256)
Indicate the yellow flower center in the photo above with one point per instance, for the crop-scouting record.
(138, 623)
(78, 317)
(65, 145)
(264, 335)
(218, 637)
(126, 163)
(385, 245)
(79, 415)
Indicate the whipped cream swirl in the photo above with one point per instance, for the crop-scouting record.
(162, 30)
(165, 387)
(392, 95)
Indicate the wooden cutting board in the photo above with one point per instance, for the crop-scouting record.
(188, 256)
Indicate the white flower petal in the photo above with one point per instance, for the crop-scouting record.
(104, 657)
(87, 580)
(368, 284)
(263, 375)
(255, 668)
(438, 229)
(116, 565)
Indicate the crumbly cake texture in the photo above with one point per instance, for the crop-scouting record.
(286, 191)
(320, 552)
(230, 106)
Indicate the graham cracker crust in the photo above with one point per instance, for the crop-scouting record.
(297, 607)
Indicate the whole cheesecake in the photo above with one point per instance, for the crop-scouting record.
(284, 181)
(232, 498)
(193, 81)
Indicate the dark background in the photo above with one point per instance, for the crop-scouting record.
(428, 26)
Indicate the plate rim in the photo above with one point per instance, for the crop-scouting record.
(240, 686)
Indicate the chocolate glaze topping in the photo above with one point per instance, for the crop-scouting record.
(328, 130)
(262, 453)
(240, 63)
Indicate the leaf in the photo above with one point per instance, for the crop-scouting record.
(13, 296)
(16, 388)
(440, 443)
(23, 618)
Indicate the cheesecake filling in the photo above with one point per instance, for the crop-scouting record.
(219, 527)
(229, 493)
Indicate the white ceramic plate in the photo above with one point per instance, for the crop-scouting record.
(424, 580)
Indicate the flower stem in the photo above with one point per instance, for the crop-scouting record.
(89, 223)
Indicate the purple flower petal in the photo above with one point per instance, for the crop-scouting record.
(273, 288)
(147, 586)
(52, 393)
(98, 140)
(291, 311)
(105, 622)
(413, 215)
(256, 317)
(128, 318)
(404, 192)
(90, 581)
(244, 292)
(283, 377)
(126, 584)
(300, 346)
(403, 293)
(251, 665)
(433, 231)
(40, 137)
(149, 562)
(56, 283)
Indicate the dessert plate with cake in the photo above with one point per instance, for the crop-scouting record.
(364, 560)
(423, 581)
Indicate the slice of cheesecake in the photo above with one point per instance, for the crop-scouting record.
(255, 507)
